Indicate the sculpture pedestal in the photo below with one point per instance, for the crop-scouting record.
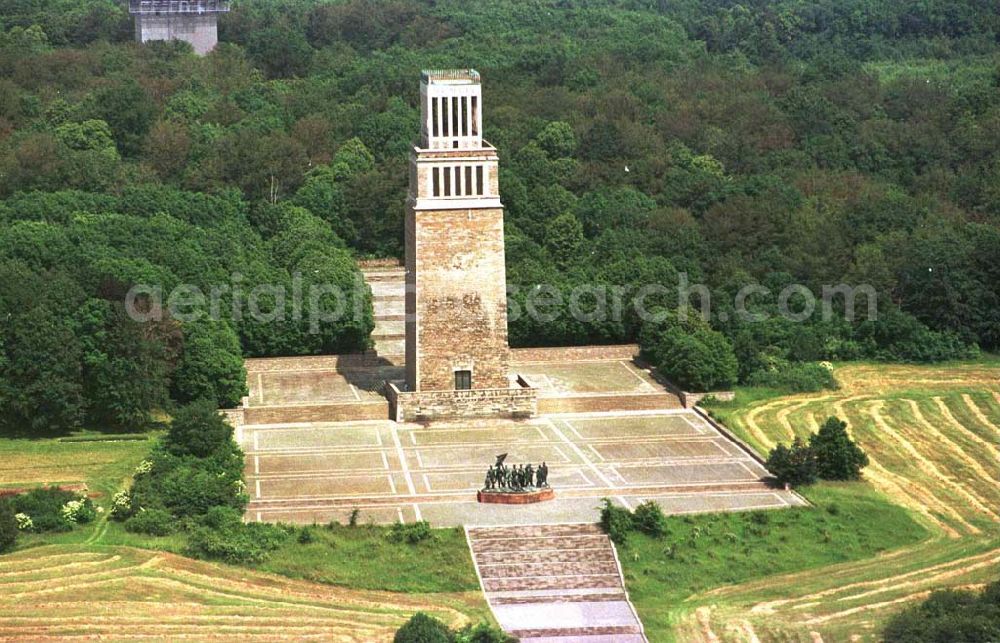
(516, 497)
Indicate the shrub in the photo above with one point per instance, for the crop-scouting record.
(794, 465)
(199, 430)
(223, 536)
(649, 519)
(306, 536)
(153, 522)
(221, 517)
(24, 522)
(45, 508)
(210, 366)
(8, 526)
(690, 354)
(188, 486)
(79, 512)
(950, 615)
(837, 456)
(411, 533)
(483, 633)
(795, 377)
(616, 521)
(121, 505)
(422, 628)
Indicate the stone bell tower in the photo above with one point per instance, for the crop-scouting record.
(456, 295)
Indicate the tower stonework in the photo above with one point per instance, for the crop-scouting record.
(193, 21)
(456, 295)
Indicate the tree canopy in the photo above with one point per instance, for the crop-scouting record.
(726, 144)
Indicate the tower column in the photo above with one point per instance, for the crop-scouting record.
(456, 304)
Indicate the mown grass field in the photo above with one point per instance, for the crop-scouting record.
(348, 584)
(102, 464)
(122, 592)
(933, 436)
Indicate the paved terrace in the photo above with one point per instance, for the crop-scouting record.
(320, 472)
(319, 445)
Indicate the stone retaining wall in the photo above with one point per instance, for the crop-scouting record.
(691, 400)
(424, 406)
(606, 403)
(349, 412)
(574, 353)
(370, 264)
(311, 362)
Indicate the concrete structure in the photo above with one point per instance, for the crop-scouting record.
(456, 299)
(195, 22)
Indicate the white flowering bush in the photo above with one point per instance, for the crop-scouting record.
(71, 510)
(121, 504)
(79, 511)
(24, 522)
(144, 467)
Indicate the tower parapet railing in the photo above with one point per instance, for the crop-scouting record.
(197, 7)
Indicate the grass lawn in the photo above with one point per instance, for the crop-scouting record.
(356, 557)
(362, 557)
(102, 462)
(847, 522)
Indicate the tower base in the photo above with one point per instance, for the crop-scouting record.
(201, 31)
(426, 406)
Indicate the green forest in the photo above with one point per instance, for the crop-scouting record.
(725, 143)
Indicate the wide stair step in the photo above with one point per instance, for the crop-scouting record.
(554, 583)
(592, 638)
(397, 275)
(388, 285)
(613, 630)
(595, 554)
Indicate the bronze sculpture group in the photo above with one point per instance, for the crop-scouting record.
(500, 477)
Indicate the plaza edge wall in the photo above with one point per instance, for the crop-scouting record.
(424, 406)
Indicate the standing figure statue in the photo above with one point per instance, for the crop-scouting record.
(543, 475)
(529, 476)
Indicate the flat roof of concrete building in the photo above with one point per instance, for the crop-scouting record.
(196, 7)
(449, 76)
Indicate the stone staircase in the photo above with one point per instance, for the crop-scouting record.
(388, 284)
(554, 583)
